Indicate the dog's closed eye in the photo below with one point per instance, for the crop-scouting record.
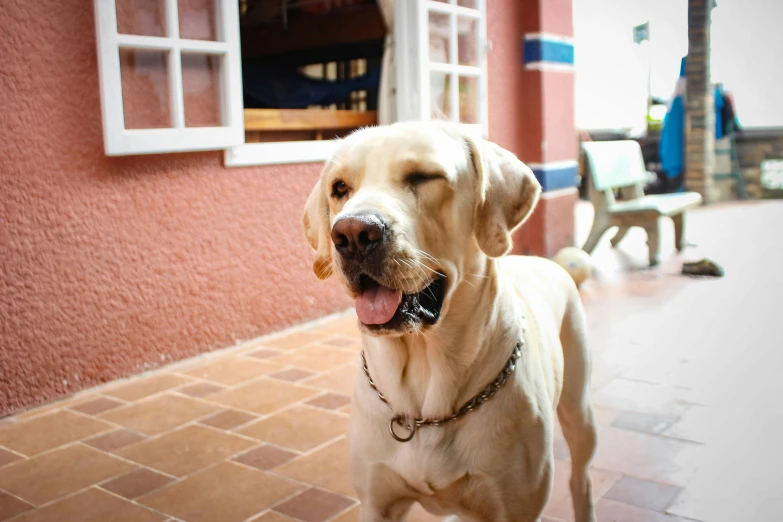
(415, 179)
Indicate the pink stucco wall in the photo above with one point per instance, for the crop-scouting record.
(111, 266)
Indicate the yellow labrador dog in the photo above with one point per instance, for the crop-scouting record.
(467, 354)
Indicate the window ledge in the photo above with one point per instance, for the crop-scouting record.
(278, 153)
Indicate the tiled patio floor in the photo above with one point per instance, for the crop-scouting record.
(687, 384)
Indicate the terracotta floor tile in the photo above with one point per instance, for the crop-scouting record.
(92, 505)
(330, 401)
(646, 456)
(611, 511)
(145, 386)
(644, 422)
(271, 516)
(605, 416)
(232, 370)
(263, 396)
(137, 483)
(115, 440)
(327, 468)
(96, 405)
(7, 457)
(301, 428)
(200, 389)
(264, 353)
(227, 492)
(341, 341)
(295, 339)
(159, 414)
(560, 449)
(559, 505)
(654, 399)
(352, 515)
(699, 424)
(49, 431)
(316, 357)
(292, 374)
(186, 450)
(314, 505)
(266, 457)
(346, 326)
(11, 506)
(339, 380)
(55, 405)
(643, 493)
(36, 411)
(228, 419)
(50, 476)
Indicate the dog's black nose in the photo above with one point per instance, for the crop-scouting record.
(357, 234)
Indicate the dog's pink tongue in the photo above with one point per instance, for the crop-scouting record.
(377, 305)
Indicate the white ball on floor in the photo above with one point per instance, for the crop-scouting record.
(576, 262)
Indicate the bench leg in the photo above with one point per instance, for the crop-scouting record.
(599, 227)
(679, 231)
(621, 232)
(654, 241)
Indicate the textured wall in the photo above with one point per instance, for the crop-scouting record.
(512, 100)
(111, 266)
(531, 112)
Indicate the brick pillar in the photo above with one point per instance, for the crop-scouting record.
(700, 103)
(531, 100)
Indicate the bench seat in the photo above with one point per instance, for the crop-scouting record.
(619, 165)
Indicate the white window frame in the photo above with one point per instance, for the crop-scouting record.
(414, 65)
(413, 70)
(121, 141)
(411, 37)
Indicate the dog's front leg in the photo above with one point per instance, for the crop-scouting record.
(394, 511)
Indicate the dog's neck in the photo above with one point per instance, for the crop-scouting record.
(430, 375)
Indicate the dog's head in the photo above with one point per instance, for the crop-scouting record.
(403, 212)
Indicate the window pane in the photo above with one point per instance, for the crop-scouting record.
(201, 83)
(468, 99)
(439, 37)
(197, 19)
(439, 96)
(467, 3)
(141, 17)
(467, 40)
(145, 89)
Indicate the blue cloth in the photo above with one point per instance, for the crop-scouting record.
(279, 87)
(718, 113)
(671, 147)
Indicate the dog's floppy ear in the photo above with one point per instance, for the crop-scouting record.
(507, 192)
(316, 227)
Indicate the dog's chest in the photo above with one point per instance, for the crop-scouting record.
(437, 459)
(427, 467)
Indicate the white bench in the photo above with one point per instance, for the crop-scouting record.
(619, 165)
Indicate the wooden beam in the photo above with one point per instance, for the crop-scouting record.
(306, 119)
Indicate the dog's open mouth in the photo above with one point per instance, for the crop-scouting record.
(381, 307)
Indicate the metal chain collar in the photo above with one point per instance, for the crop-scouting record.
(473, 404)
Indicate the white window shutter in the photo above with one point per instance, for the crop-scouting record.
(177, 136)
(463, 87)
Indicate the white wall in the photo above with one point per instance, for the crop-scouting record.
(611, 80)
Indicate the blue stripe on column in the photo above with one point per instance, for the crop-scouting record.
(541, 48)
(556, 175)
